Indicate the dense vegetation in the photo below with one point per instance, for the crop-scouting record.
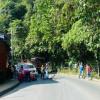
(62, 31)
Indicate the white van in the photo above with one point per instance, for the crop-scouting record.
(27, 66)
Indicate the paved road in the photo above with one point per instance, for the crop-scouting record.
(60, 88)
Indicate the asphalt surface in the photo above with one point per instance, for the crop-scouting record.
(60, 88)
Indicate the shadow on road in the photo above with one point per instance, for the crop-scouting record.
(38, 82)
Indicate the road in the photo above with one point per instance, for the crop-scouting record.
(60, 88)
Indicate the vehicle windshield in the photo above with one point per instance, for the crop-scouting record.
(30, 66)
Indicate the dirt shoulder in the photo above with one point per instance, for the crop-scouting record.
(76, 76)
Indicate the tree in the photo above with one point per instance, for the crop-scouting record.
(19, 36)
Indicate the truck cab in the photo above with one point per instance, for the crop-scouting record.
(38, 62)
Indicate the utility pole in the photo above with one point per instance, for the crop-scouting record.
(12, 46)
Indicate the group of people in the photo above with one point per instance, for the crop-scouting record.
(88, 70)
(25, 75)
(45, 71)
(22, 75)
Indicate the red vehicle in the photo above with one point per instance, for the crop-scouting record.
(26, 72)
(27, 67)
(38, 62)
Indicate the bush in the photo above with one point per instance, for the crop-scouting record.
(76, 72)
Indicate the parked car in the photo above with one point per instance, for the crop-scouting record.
(27, 66)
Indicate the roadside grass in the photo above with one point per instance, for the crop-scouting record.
(76, 72)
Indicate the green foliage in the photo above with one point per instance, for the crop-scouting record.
(81, 42)
(19, 36)
(9, 11)
(19, 11)
(59, 30)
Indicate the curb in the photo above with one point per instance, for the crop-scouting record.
(9, 89)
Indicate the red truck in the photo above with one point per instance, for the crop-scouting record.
(38, 62)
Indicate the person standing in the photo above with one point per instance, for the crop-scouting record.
(80, 70)
(47, 71)
(42, 72)
(9, 70)
(12, 73)
(88, 71)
